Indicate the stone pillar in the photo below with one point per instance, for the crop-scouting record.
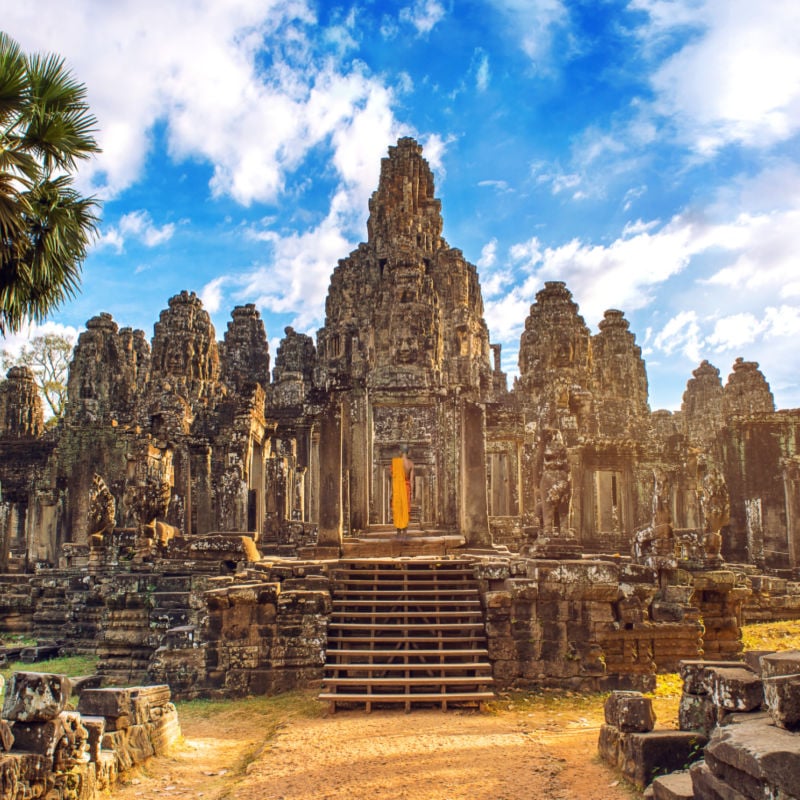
(474, 501)
(791, 482)
(360, 463)
(330, 471)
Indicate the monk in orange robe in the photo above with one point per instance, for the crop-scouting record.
(402, 483)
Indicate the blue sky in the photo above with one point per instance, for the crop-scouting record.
(643, 151)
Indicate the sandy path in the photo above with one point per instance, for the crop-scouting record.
(424, 755)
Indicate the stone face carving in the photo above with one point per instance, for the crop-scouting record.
(109, 370)
(185, 351)
(702, 404)
(21, 412)
(244, 353)
(747, 392)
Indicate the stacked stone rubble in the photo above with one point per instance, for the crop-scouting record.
(751, 714)
(47, 751)
(629, 742)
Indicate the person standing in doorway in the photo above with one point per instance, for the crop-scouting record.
(402, 490)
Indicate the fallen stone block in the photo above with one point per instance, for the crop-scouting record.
(782, 696)
(758, 758)
(650, 755)
(35, 696)
(786, 662)
(112, 703)
(735, 688)
(630, 712)
(676, 786)
(694, 674)
(708, 787)
(753, 659)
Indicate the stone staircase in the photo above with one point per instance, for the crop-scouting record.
(406, 632)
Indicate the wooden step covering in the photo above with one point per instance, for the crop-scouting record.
(406, 632)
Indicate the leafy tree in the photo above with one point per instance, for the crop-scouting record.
(45, 224)
(48, 358)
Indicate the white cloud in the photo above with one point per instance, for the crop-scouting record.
(737, 79)
(14, 342)
(488, 255)
(263, 82)
(211, 294)
(734, 331)
(681, 333)
(482, 72)
(296, 278)
(424, 15)
(136, 225)
(535, 23)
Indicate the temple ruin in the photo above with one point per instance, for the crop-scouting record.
(192, 515)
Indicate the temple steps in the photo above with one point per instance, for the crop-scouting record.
(407, 633)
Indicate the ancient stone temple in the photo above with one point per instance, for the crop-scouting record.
(192, 516)
(405, 354)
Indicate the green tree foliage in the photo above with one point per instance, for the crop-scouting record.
(48, 358)
(45, 224)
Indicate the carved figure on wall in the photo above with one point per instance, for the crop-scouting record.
(716, 507)
(102, 511)
(655, 545)
(555, 487)
(151, 499)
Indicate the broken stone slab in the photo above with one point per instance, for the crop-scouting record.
(782, 696)
(758, 758)
(35, 696)
(706, 786)
(642, 757)
(753, 659)
(735, 688)
(630, 712)
(649, 755)
(112, 703)
(675, 786)
(785, 662)
(694, 674)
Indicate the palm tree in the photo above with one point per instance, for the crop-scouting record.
(45, 224)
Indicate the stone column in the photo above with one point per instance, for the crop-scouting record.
(474, 501)
(791, 482)
(330, 471)
(360, 462)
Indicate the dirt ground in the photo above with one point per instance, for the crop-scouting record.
(294, 749)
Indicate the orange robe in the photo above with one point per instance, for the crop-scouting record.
(401, 489)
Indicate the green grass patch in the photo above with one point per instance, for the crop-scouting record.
(72, 666)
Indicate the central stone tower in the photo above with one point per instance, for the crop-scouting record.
(405, 356)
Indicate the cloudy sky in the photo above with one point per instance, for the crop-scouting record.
(643, 151)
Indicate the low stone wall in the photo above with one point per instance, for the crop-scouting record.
(772, 600)
(49, 751)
